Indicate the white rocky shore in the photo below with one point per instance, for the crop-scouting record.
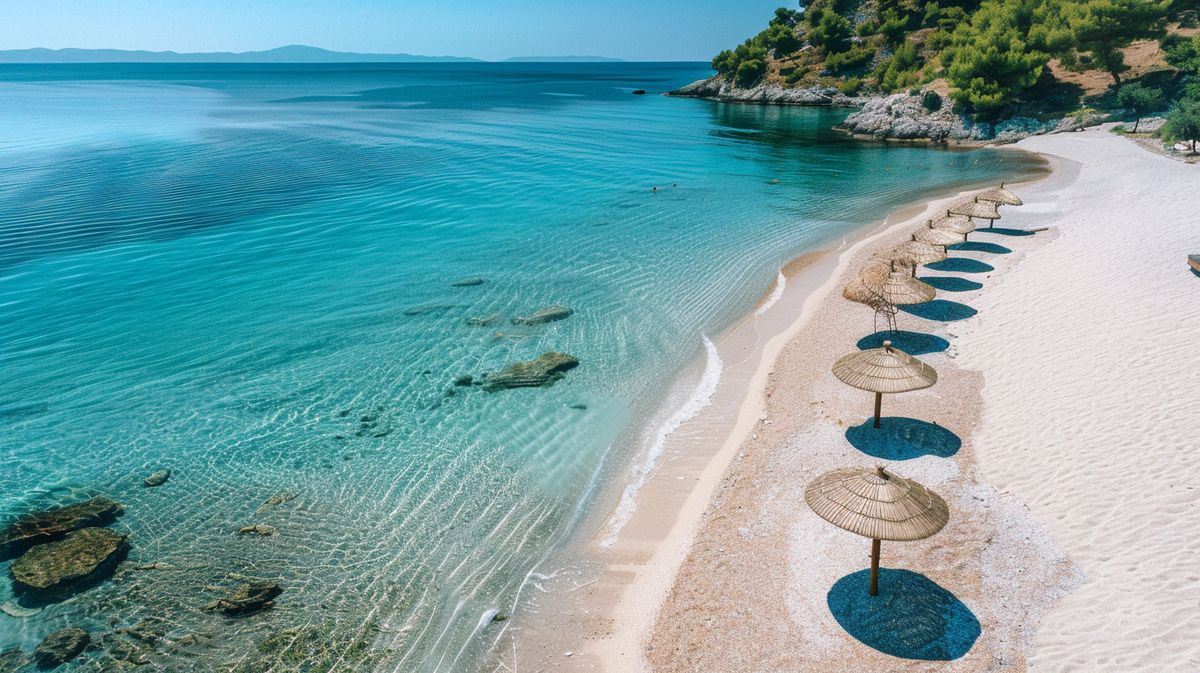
(897, 117)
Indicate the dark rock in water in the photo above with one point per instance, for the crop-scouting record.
(257, 529)
(277, 499)
(428, 309)
(578, 405)
(53, 524)
(542, 370)
(12, 660)
(247, 599)
(499, 617)
(157, 479)
(468, 282)
(464, 380)
(61, 646)
(639, 92)
(344, 413)
(548, 314)
(52, 569)
(483, 321)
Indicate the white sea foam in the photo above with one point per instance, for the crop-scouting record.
(700, 398)
(776, 293)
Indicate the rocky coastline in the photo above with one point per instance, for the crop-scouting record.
(901, 117)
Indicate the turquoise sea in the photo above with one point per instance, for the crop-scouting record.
(244, 274)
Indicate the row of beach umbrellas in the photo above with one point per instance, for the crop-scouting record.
(874, 502)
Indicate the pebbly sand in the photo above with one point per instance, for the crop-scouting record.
(1058, 433)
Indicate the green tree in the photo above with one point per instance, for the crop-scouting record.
(1183, 123)
(993, 58)
(1139, 99)
(901, 70)
(1102, 28)
(831, 32)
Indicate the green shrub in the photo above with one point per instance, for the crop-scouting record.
(749, 72)
(901, 70)
(1183, 123)
(851, 86)
(931, 101)
(1140, 100)
(859, 56)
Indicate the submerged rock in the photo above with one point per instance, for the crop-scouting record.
(247, 599)
(157, 479)
(257, 529)
(463, 380)
(275, 500)
(468, 282)
(11, 660)
(84, 555)
(61, 646)
(52, 524)
(542, 370)
(548, 314)
(483, 321)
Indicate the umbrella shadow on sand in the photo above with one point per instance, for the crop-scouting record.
(899, 438)
(1002, 231)
(980, 246)
(913, 343)
(961, 265)
(941, 310)
(952, 283)
(912, 617)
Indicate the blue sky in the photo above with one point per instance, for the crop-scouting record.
(490, 29)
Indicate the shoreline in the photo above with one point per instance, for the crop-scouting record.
(652, 546)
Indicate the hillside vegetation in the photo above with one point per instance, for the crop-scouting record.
(995, 58)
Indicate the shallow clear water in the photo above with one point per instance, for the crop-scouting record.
(224, 270)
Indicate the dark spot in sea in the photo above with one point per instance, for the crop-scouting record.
(344, 413)
(385, 433)
(339, 436)
(23, 411)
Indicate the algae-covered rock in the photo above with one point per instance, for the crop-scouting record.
(12, 660)
(468, 282)
(330, 647)
(284, 496)
(157, 479)
(257, 529)
(61, 646)
(542, 370)
(247, 599)
(543, 316)
(82, 556)
(483, 321)
(52, 524)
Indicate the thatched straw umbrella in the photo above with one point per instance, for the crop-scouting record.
(984, 210)
(884, 370)
(942, 237)
(901, 289)
(879, 505)
(912, 254)
(956, 223)
(864, 289)
(1001, 196)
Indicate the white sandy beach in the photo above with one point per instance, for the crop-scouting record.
(1071, 357)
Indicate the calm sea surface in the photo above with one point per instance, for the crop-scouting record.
(244, 274)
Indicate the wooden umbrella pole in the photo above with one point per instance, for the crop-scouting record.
(878, 407)
(874, 588)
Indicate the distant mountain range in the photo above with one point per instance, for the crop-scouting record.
(295, 53)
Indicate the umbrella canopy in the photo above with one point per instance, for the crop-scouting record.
(884, 370)
(956, 223)
(917, 252)
(1001, 196)
(877, 504)
(975, 208)
(866, 288)
(901, 289)
(937, 236)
